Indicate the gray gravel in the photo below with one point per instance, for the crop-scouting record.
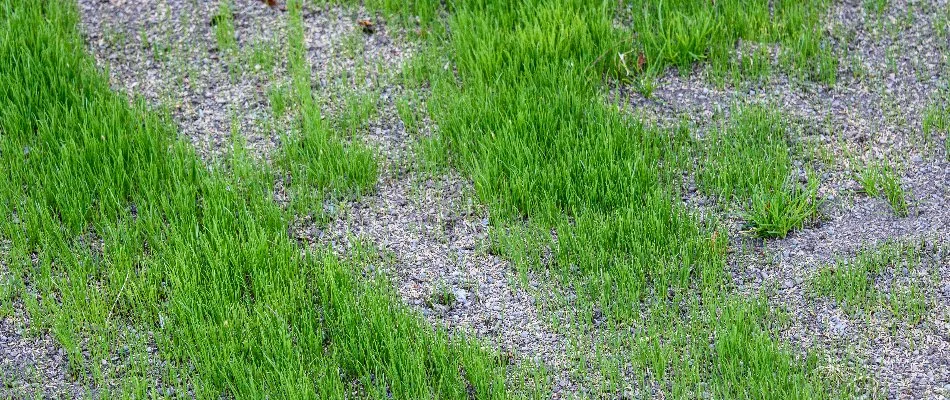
(33, 365)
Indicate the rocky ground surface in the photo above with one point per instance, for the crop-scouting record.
(432, 235)
(33, 364)
(873, 112)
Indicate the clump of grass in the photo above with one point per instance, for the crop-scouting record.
(318, 161)
(262, 55)
(937, 120)
(882, 180)
(407, 109)
(197, 257)
(223, 21)
(775, 214)
(423, 12)
(749, 160)
(682, 32)
(358, 109)
(443, 296)
(277, 96)
(878, 7)
(430, 149)
(431, 154)
(854, 286)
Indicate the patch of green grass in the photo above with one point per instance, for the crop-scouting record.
(359, 107)
(115, 225)
(775, 214)
(682, 32)
(854, 284)
(407, 109)
(878, 7)
(223, 22)
(431, 153)
(883, 180)
(430, 149)
(749, 160)
(936, 121)
(262, 55)
(424, 12)
(319, 161)
(277, 96)
(941, 23)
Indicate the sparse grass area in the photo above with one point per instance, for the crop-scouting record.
(523, 117)
(261, 56)
(883, 180)
(114, 225)
(319, 161)
(749, 160)
(859, 285)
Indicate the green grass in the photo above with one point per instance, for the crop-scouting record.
(749, 160)
(201, 256)
(522, 114)
(278, 98)
(359, 107)
(878, 7)
(223, 21)
(883, 180)
(319, 161)
(538, 141)
(936, 119)
(116, 228)
(854, 284)
(262, 56)
(682, 32)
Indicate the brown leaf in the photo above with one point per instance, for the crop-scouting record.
(272, 3)
(641, 61)
(367, 25)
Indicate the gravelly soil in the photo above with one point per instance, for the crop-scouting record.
(434, 235)
(33, 365)
(873, 112)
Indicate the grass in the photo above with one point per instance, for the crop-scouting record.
(883, 180)
(854, 284)
(521, 113)
(749, 160)
(318, 161)
(223, 22)
(682, 32)
(115, 228)
(937, 120)
(262, 56)
(201, 257)
(359, 107)
(278, 98)
(878, 7)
